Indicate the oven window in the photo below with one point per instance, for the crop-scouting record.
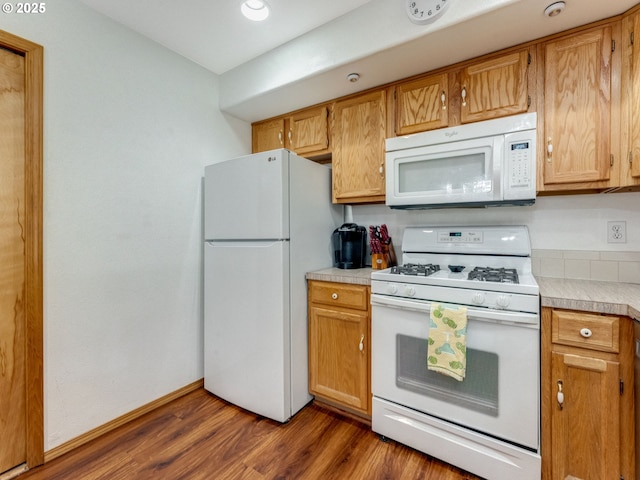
(478, 391)
(461, 174)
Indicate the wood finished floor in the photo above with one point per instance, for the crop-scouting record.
(202, 437)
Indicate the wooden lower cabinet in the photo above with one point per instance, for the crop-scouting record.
(339, 346)
(587, 396)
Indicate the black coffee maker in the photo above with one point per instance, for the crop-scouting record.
(349, 246)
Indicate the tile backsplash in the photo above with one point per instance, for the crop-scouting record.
(587, 265)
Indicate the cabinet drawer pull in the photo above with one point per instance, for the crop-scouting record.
(334, 296)
(585, 332)
(361, 346)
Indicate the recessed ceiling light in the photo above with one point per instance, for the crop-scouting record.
(256, 10)
(554, 9)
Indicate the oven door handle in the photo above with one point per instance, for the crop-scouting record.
(484, 315)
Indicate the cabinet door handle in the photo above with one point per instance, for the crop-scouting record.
(361, 345)
(280, 136)
(560, 395)
(290, 134)
(464, 96)
(381, 170)
(549, 149)
(443, 99)
(334, 296)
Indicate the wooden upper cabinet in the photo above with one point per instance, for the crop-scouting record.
(630, 171)
(309, 131)
(577, 140)
(359, 133)
(267, 135)
(422, 104)
(495, 87)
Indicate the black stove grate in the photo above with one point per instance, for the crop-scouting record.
(490, 274)
(416, 269)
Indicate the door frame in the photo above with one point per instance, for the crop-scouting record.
(33, 301)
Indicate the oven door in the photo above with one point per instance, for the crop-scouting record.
(462, 172)
(499, 395)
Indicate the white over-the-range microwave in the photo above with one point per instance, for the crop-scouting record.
(487, 163)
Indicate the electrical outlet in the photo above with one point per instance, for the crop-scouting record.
(617, 232)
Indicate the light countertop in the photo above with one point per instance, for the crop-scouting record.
(591, 296)
(358, 276)
(584, 295)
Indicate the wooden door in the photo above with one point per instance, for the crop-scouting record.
(577, 109)
(12, 262)
(422, 105)
(268, 135)
(359, 133)
(495, 88)
(338, 356)
(21, 390)
(586, 430)
(309, 131)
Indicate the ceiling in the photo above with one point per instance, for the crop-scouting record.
(302, 53)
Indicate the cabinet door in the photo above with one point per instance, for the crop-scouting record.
(359, 134)
(631, 174)
(309, 131)
(495, 88)
(422, 105)
(339, 356)
(585, 428)
(577, 110)
(267, 135)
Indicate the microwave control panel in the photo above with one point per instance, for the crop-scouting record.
(519, 167)
(519, 159)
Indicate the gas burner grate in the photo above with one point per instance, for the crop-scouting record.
(489, 274)
(416, 269)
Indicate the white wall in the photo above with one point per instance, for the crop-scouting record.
(565, 222)
(128, 128)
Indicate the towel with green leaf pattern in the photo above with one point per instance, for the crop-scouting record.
(447, 348)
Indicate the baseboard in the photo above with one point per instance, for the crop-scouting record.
(122, 420)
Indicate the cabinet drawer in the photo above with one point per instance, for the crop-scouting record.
(595, 332)
(339, 294)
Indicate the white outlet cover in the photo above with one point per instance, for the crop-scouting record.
(617, 231)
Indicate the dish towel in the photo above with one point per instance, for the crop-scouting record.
(447, 348)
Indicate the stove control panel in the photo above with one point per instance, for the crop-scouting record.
(460, 236)
(458, 296)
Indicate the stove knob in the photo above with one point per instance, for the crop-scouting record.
(478, 298)
(503, 301)
(393, 289)
(410, 291)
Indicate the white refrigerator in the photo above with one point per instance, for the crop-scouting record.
(268, 220)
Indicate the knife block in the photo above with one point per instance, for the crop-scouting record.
(386, 259)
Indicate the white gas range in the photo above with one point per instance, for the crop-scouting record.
(488, 423)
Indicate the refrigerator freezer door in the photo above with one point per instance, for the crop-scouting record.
(248, 197)
(246, 326)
